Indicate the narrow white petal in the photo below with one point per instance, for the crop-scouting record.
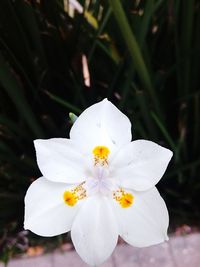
(102, 124)
(46, 214)
(59, 160)
(94, 231)
(76, 5)
(140, 164)
(145, 223)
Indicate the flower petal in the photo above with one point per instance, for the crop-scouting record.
(59, 160)
(140, 164)
(94, 231)
(145, 223)
(46, 214)
(102, 124)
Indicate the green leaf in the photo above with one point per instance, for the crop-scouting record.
(134, 50)
(73, 117)
(63, 102)
(14, 91)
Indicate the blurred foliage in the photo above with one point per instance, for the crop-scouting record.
(143, 55)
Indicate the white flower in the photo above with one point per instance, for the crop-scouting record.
(99, 185)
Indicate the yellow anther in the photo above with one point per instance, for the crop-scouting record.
(72, 197)
(101, 154)
(124, 199)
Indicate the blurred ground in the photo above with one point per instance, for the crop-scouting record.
(180, 251)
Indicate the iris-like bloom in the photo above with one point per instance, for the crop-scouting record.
(99, 185)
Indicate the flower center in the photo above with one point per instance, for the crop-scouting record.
(99, 183)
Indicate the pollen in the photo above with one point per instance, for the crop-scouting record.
(123, 198)
(101, 154)
(71, 197)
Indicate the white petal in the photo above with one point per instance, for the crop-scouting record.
(94, 231)
(46, 214)
(59, 160)
(140, 164)
(145, 223)
(102, 124)
(76, 5)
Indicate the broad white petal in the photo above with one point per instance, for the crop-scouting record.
(140, 164)
(102, 124)
(59, 160)
(145, 223)
(46, 214)
(94, 231)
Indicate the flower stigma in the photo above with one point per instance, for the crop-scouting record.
(124, 199)
(71, 197)
(99, 183)
(100, 155)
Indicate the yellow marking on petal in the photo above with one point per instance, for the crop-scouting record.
(101, 154)
(123, 198)
(73, 196)
(70, 198)
(126, 200)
